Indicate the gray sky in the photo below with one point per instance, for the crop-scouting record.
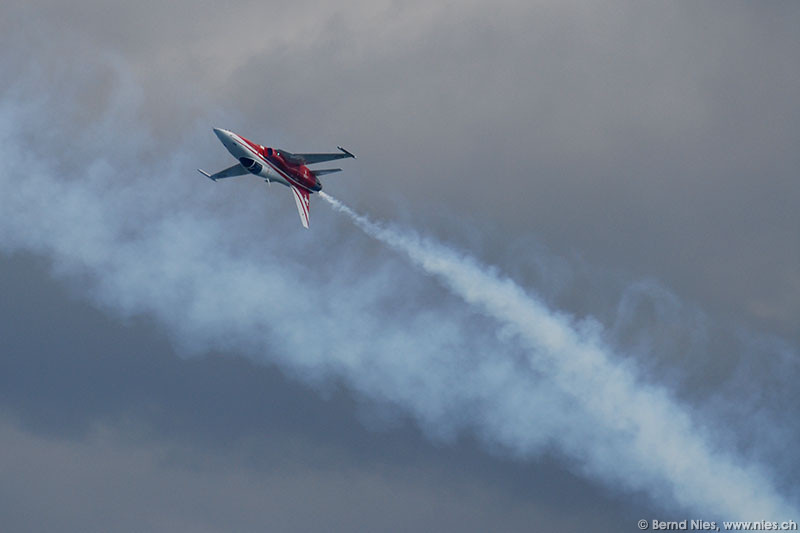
(634, 163)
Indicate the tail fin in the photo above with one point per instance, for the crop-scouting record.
(302, 201)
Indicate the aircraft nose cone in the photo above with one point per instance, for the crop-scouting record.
(223, 135)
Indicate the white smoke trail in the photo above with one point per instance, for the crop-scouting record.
(145, 238)
(647, 441)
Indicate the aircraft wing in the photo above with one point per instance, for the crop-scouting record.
(310, 159)
(235, 170)
(302, 201)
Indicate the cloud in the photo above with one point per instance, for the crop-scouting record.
(526, 380)
(76, 382)
(663, 149)
(135, 483)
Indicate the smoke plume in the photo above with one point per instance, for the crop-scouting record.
(637, 434)
(223, 266)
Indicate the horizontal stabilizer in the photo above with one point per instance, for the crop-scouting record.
(349, 154)
(310, 159)
(323, 171)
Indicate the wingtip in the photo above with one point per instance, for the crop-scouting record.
(347, 152)
(206, 174)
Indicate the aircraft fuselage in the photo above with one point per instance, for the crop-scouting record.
(267, 163)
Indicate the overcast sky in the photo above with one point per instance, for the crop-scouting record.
(181, 355)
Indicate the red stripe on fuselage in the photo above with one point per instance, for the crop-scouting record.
(283, 172)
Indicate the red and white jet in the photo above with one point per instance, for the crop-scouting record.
(277, 165)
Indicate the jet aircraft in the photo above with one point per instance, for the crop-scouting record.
(273, 164)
